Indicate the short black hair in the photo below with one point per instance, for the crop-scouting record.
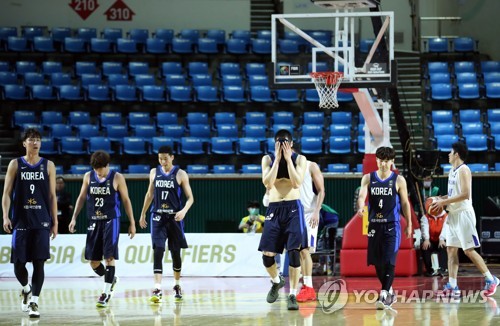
(282, 133)
(60, 178)
(99, 159)
(165, 150)
(385, 153)
(461, 149)
(253, 203)
(31, 133)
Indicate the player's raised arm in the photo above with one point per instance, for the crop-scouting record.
(269, 172)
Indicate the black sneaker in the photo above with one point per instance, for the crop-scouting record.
(103, 300)
(273, 294)
(33, 310)
(177, 293)
(25, 303)
(292, 303)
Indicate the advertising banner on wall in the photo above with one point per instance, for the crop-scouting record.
(212, 254)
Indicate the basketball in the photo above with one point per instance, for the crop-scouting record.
(428, 210)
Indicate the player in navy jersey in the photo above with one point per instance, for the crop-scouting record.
(29, 197)
(167, 213)
(102, 190)
(282, 174)
(387, 198)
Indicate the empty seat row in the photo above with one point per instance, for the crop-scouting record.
(456, 67)
(443, 45)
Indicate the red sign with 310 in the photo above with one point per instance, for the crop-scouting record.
(119, 11)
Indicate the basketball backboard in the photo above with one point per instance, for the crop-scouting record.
(338, 40)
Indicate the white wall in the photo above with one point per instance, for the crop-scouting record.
(150, 14)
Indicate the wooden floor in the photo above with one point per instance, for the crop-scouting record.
(242, 301)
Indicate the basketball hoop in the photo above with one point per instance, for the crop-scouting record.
(327, 84)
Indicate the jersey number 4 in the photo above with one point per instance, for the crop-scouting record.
(381, 203)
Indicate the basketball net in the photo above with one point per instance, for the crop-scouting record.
(327, 84)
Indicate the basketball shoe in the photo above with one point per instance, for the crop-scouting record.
(273, 294)
(491, 286)
(177, 293)
(292, 303)
(103, 300)
(389, 300)
(33, 310)
(157, 296)
(452, 292)
(25, 303)
(306, 293)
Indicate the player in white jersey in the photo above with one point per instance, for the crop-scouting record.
(312, 194)
(462, 222)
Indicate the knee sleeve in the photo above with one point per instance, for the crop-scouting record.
(157, 260)
(268, 261)
(100, 270)
(294, 258)
(176, 260)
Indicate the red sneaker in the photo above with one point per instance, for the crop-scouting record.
(306, 294)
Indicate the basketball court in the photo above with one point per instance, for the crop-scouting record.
(242, 301)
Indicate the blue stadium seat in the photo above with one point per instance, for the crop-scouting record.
(463, 44)
(443, 128)
(255, 118)
(261, 94)
(437, 67)
(17, 44)
(444, 142)
(314, 118)
(157, 142)
(126, 93)
(5, 32)
(477, 143)
(311, 95)
(180, 93)
(110, 118)
(111, 68)
(277, 127)
(312, 131)
(440, 116)
(43, 92)
(201, 131)
(173, 131)
(100, 143)
(156, 46)
(74, 45)
(341, 117)
(249, 146)
(90, 79)
(33, 78)
(85, 131)
(101, 45)
(343, 97)
(251, 169)
(222, 146)
(171, 68)
(491, 77)
(8, 78)
(320, 66)
(139, 168)
(139, 35)
(229, 68)
(229, 131)
(282, 117)
(470, 115)
(198, 68)
(288, 46)
(490, 66)
(261, 46)
(86, 33)
(365, 45)
(153, 93)
(466, 77)
(311, 145)
(441, 92)
(192, 146)
(58, 34)
(30, 32)
(58, 79)
(51, 117)
(22, 117)
(73, 146)
(15, 92)
(117, 79)
(58, 130)
(255, 68)
(166, 34)
(219, 35)
(361, 144)
(197, 169)
(126, 46)
(166, 118)
(43, 44)
(70, 92)
(472, 128)
(182, 46)
(257, 131)
(236, 46)
(5, 66)
(23, 67)
(79, 169)
(492, 90)
(440, 78)
(270, 145)
(145, 131)
(112, 34)
(116, 133)
(138, 118)
(468, 91)
(438, 45)
(224, 118)
(190, 34)
(232, 80)
(242, 34)
(99, 93)
(478, 167)
(224, 169)
(338, 168)
(287, 95)
(464, 66)
(138, 68)
(340, 130)
(207, 46)
(49, 146)
(496, 143)
(196, 118)
(85, 67)
(115, 167)
(493, 115)
(264, 34)
(201, 80)
(234, 94)
(135, 146)
(339, 145)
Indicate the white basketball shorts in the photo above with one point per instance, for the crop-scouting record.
(462, 231)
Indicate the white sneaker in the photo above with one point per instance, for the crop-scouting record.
(33, 310)
(25, 301)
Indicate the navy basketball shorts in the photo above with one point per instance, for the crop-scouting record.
(102, 239)
(383, 243)
(164, 227)
(284, 227)
(29, 245)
